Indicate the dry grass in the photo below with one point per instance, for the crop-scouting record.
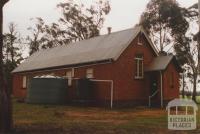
(51, 119)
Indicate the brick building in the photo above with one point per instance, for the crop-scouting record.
(125, 67)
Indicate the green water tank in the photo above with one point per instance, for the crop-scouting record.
(85, 90)
(47, 91)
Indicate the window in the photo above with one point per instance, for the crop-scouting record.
(72, 72)
(140, 39)
(89, 73)
(24, 82)
(171, 80)
(69, 77)
(139, 73)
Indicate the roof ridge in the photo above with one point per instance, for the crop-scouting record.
(72, 43)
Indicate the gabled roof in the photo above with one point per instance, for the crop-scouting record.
(101, 48)
(160, 63)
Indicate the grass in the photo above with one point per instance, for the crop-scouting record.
(198, 99)
(51, 119)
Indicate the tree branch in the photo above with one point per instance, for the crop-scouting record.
(3, 2)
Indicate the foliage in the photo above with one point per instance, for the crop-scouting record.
(78, 23)
(162, 19)
(53, 36)
(186, 47)
(82, 22)
(34, 39)
(11, 45)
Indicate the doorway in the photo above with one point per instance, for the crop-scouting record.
(153, 85)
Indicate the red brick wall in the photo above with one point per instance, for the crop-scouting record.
(126, 86)
(18, 90)
(169, 92)
(101, 72)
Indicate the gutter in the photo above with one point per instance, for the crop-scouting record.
(66, 67)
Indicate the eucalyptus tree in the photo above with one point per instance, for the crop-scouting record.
(34, 38)
(161, 19)
(81, 22)
(187, 47)
(78, 22)
(12, 45)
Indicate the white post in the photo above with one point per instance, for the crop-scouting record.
(111, 90)
(111, 96)
(186, 110)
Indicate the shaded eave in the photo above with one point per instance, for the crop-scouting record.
(107, 61)
(173, 59)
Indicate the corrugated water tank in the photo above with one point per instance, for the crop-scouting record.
(85, 90)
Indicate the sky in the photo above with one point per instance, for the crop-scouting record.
(124, 13)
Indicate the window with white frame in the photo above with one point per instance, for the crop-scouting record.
(24, 82)
(139, 69)
(89, 73)
(69, 76)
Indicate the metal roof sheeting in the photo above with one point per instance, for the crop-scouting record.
(99, 48)
(159, 63)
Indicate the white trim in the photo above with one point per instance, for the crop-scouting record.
(137, 73)
(136, 58)
(69, 77)
(90, 73)
(73, 72)
(24, 82)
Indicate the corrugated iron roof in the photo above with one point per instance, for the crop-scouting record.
(159, 63)
(99, 48)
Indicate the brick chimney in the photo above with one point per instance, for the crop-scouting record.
(109, 30)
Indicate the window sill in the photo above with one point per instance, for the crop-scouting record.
(89, 77)
(139, 78)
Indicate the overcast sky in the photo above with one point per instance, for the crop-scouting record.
(124, 13)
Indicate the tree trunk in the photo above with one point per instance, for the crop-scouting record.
(194, 87)
(5, 100)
